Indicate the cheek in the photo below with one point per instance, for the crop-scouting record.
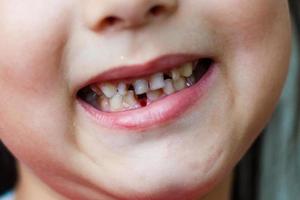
(256, 35)
(245, 21)
(258, 65)
(33, 100)
(31, 44)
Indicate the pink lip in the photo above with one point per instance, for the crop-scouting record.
(133, 71)
(157, 113)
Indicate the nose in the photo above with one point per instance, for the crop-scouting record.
(123, 14)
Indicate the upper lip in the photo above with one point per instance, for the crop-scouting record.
(159, 64)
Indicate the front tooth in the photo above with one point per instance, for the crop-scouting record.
(154, 95)
(140, 86)
(129, 99)
(179, 84)
(157, 81)
(186, 70)
(169, 88)
(108, 89)
(116, 102)
(175, 74)
(122, 88)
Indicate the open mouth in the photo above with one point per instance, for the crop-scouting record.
(129, 94)
(149, 95)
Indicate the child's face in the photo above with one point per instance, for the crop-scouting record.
(177, 147)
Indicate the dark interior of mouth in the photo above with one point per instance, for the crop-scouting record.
(88, 95)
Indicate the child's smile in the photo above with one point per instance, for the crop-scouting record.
(156, 99)
(144, 96)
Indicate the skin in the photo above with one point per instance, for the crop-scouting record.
(48, 48)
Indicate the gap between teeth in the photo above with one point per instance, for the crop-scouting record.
(121, 96)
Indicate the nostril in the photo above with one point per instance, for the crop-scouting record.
(157, 10)
(110, 21)
(120, 15)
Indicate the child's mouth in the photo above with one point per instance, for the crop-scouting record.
(125, 95)
(140, 97)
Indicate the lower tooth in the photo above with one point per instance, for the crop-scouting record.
(154, 95)
(129, 100)
(169, 88)
(179, 84)
(116, 102)
(103, 103)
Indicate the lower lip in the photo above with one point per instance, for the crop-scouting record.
(156, 114)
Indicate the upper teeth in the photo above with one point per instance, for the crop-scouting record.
(120, 96)
(108, 89)
(122, 88)
(141, 86)
(154, 95)
(175, 74)
(179, 84)
(186, 70)
(157, 81)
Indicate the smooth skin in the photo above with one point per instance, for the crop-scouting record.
(48, 48)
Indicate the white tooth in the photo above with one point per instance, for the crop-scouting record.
(154, 95)
(108, 89)
(140, 86)
(116, 102)
(179, 84)
(169, 88)
(122, 88)
(129, 99)
(186, 70)
(175, 74)
(103, 103)
(157, 81)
